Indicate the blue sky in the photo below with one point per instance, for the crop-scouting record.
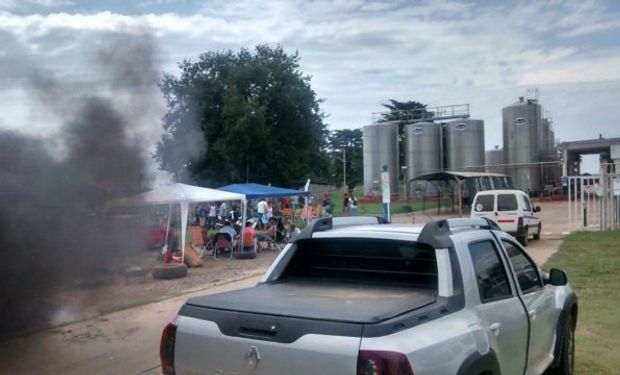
(359, 53)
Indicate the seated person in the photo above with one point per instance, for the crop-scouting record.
(228, 229)
(249, 237)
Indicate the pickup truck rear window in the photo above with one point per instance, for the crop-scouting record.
(365, 260)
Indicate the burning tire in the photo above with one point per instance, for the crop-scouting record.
(169, 271)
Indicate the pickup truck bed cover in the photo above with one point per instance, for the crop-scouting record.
(321, 300)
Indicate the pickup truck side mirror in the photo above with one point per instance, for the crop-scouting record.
(537, 209)
(557, 277)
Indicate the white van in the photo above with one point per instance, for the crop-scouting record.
(512, 210)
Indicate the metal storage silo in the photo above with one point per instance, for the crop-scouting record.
(422, 149)
(465, 145)
(522, 133)
(494, 157)
(380, 148)
(544, 140)
(423, 154)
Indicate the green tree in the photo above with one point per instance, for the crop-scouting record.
(255, 111)
(404, 113)
(349, 140)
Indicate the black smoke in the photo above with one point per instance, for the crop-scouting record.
(54, 230)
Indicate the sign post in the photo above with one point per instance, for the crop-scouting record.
(385, 190)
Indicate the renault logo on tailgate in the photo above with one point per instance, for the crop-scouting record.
(252, 358)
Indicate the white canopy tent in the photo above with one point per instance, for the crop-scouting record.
(183, 195)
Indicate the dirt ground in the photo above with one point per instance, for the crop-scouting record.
(86, 301)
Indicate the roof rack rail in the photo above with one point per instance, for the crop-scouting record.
(318, 225)
(437, 233)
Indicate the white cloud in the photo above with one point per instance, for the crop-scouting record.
(361, 53)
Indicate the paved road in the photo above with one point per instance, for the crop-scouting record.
(553, 216)
(127, 342)
(124, 342)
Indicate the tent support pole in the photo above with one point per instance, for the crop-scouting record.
(184, 214)
(244, 210)
(168, 224)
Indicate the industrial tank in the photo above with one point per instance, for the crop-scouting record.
(494, 157)
(522, 139)
(423, 154)
(465, 145)
(380, 148)
(543, 143)
(422, 149)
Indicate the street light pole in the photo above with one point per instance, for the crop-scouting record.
(344, 168)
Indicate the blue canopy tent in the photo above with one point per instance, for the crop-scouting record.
(255, 191)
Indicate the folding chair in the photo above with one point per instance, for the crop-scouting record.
(267, 240)
(222, 242)
(198, 241)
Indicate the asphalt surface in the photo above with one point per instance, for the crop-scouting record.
(124, 342)
(553, 215)
(127, 342)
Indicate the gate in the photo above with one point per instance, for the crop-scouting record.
(594, 202)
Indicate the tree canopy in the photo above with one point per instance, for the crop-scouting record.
(253, 113)
(404, 113)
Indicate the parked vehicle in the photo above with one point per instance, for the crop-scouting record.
(512, 210)
(456, 296)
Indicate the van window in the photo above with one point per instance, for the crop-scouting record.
(484, 203)
(526, 203)
(507, 202)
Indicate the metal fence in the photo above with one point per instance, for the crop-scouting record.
(594, 201)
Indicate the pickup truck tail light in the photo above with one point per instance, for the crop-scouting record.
(520, 222)
(379, 362)
(166, 349)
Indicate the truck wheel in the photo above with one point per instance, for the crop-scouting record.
(523, 236)
(567, 356)
(169, 271)
(537, 235)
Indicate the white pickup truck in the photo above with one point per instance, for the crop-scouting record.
(456, 296)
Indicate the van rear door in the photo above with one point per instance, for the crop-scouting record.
(484, 206)
(507, 215)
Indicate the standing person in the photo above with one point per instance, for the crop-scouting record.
(223, 211)
(325, 204)
(261, 208)
(353, 205)
(301, 201)
(328, 205)
(346, 205)
(212, 216)
(294, 203)
(202, 215)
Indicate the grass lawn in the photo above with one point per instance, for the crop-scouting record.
(592, 263)
(377, 208)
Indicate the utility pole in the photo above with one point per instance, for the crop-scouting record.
(344, 168)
